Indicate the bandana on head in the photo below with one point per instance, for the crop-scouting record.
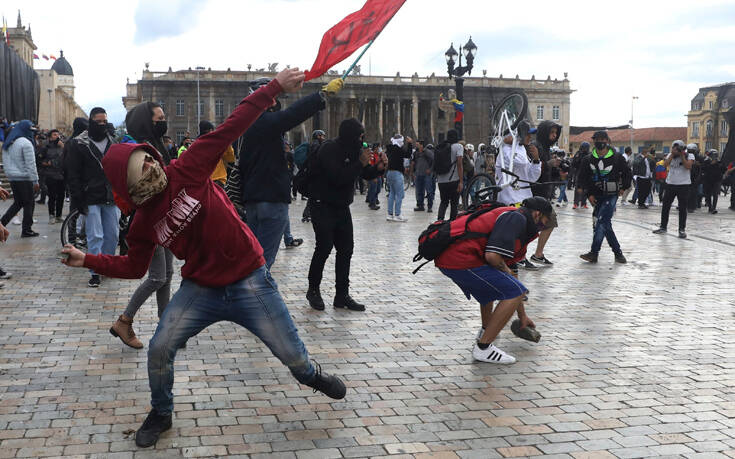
(152, 182)
(397, 140)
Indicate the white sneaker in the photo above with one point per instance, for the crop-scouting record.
(400, 218)
(16, 220)
(390, 218)
(479, 334)
(492, 355)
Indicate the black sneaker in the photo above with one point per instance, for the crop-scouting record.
(94, 281)
(589, 256)
(682, 234)
(294, 243)
(620, 258)
(525, 264)
(28, 234)
(542, 260)
(374, 207)
(152, 428)
(329, 385)
(418, 209)
(315, 299)
(642, 206)
(659, 231)
(428, 210)
(346, 301)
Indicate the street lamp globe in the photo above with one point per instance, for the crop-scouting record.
(469, 50)
(450, 54)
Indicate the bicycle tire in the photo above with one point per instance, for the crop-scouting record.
(516, 103)
(68, 233)
(480, 189)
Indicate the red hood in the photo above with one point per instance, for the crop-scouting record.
(115, 165)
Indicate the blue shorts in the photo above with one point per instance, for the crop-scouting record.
(486, 284)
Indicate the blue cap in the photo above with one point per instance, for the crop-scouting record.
(532, 131)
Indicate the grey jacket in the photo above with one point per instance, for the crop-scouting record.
(19, 161)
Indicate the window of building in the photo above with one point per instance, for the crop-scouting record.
(555, 112)
(539, 112)
(709, 129)
(180, 134)
(723, 128)
(201, 109)
(724, 103)
(711, 104)
(695, 129)
(219, 107)
(180, 107)
(722, 146)
(708, 145)
(163, 105)
(666, 150)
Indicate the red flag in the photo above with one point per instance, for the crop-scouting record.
(352, 32)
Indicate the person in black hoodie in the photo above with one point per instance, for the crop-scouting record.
(50, 157)
(337, 165)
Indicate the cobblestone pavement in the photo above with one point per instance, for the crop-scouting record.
(635, 360)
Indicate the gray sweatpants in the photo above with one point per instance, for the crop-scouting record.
(159, 280)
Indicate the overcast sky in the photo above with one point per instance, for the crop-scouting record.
(661, 52)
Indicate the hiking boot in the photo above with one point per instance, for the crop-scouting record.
(314, 297)
(123, 329)
(682, 234)
(492, 355)
(329, 385)
(659, 231)
(620, 258)
(294, 243)
(346, 301)
(152, 428)
(527, 333)
(589, 256)
(94, 281)
(542, 260)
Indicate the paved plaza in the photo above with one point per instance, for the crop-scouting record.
(635, 360)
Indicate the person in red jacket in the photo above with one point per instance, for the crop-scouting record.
(224, 277)
(479, 266)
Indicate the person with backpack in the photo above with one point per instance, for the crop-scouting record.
(477, 261)
(423, 162)
(333, 171)
(449, 173)
(301, 154)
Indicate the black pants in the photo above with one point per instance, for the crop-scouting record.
(712, 194)
(332, 228)
(644, 189)
(681, 193)
(56, 190)
(42, 185)
(22, 199)
(449, 196)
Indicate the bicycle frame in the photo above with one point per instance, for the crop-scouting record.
(505, 179)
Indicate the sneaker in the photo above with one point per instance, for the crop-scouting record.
(152, 428)
(94, 281)
(16, 220)
(525, 264)
(574, 207)
(713, 211)
(418, 209)
(428, 210)
(589, 256)
(642, 206)
(492, 355)
(329, 385)
(5, 275)
(631, 201)
(40, 202)
(294, 243)
(28, 234)
(659, 231)
(682, 234)
(59, 220)
(315, 299)
(620, 258)
(558, 205)
(51, 219)
(374, 207)
(585, 206)
(542, 260)
(400, 219)
(390, 218)
(346, 301)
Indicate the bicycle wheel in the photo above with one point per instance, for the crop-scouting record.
(480, 189)
(406, 182)
(515, 104)
(69, 233)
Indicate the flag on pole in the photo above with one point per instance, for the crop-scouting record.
(35, 56)
(352, 32)
(52, 56)
(44, 56)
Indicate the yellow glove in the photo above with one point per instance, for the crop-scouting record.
(334, 86)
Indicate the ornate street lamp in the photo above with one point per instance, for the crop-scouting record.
(469, 50)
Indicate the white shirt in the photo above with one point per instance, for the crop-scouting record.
(678, 174)
(522, 167)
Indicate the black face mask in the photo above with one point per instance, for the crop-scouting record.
(160, 128)
(600, 146)
(97, 131)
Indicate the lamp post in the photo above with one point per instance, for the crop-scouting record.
(631, 122)
(468, 50)
(199, 103)
(50, 109)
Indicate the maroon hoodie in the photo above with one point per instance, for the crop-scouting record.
(192, 216)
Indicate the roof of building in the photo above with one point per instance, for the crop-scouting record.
(657, 134)
(62, 66)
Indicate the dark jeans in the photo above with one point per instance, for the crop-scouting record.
(602, 224)
(693, 198)
(644, 189)
(681, 193)
(22, 199)
(268, 221)
(56, 189)
(425, 186)
(374, 188)
(712, 194)
(579, 197)
(449, 196)
(332, 228)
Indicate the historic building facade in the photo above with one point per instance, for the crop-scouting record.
(58, 107)
(385, 104)
(707, 123)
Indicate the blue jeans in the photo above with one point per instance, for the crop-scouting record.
(102, 225)
(252, 302)
(373, 190)
(287, 236)
(602, 226)
(425, 185)
(563, 193)
(268, 222)
(396, 193)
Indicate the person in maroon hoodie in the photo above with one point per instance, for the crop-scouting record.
(224, 277)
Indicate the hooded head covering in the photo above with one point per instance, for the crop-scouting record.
(139, 122)
(115, 164)
(452, 136)
(22, 128)
(80, 125)
(350, 131)
(205, 126)
(542, 133)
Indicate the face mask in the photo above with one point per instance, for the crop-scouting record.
(154, 181)
(97, 131)
(160, 128)
(600, 146)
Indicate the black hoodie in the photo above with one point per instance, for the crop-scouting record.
(544, 145)
(337, 166)
(139, 123)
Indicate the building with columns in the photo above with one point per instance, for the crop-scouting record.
(385, 104)
(58, 108)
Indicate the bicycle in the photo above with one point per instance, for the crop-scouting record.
(73, 232)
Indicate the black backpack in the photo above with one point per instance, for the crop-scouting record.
(306, 173)
(438, 236)
(443, 158)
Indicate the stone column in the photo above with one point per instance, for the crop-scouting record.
(415, 114)
(397, 111)
(432, 115)
(380, 119)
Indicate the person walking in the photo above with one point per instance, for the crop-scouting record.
(399, 150)
(448, 167)
(51, 157)
(423, 164)
(678, 180)
(19, 164)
